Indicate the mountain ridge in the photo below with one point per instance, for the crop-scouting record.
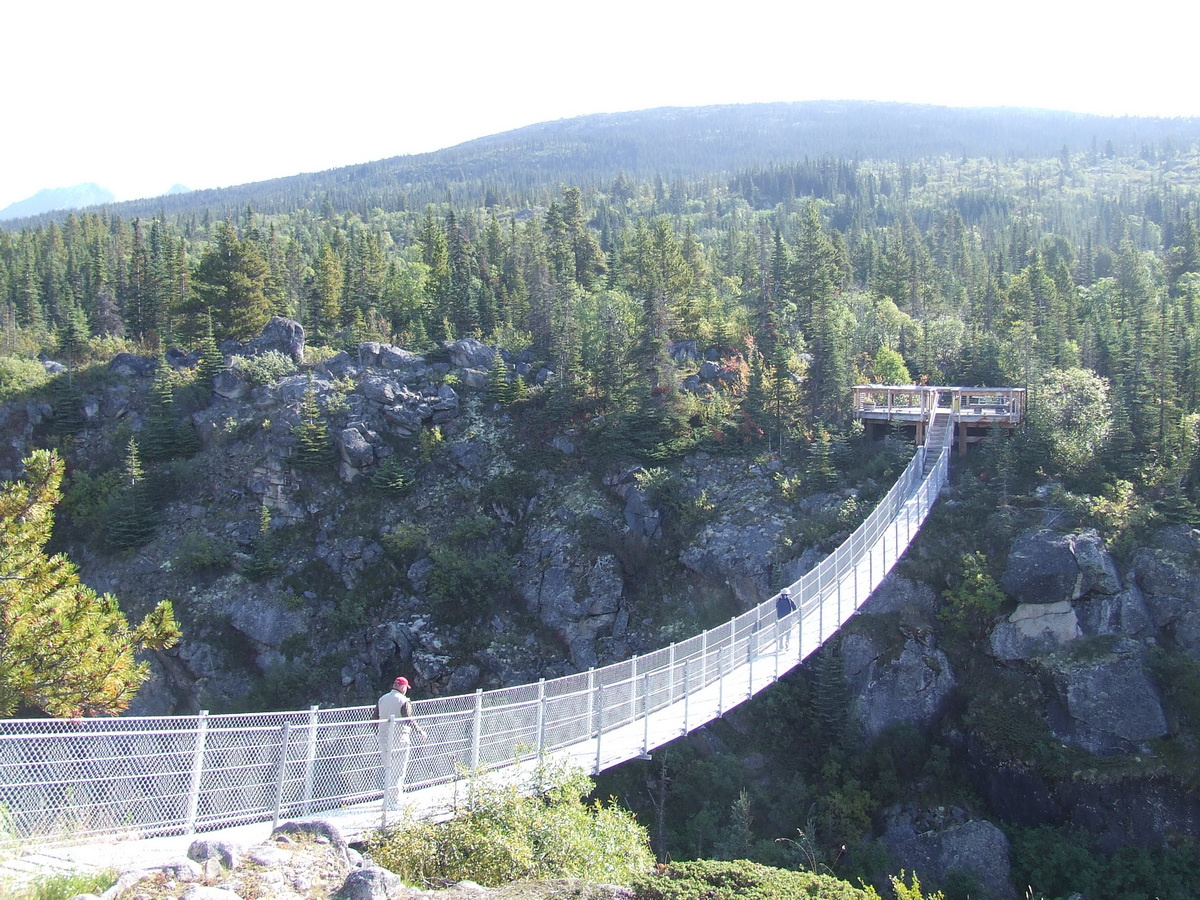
(674, 142)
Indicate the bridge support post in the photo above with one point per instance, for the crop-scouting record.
(800, 628)
(633, 661)
(750, 656)
(645, 714)
(476, 730)
(310, 758)
(591, 705)
(778, 644)
(599, 724)
(193, 804)
(280, 773)
(671, 674)
(686, 691)
(820, 607)
(541, 717)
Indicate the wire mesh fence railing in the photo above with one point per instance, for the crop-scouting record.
(72, 780)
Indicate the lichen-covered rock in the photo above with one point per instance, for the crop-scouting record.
(576, 593)
(739, 555)
(202, 850)
(229, 385)
(128, 365)
(1035, 629)
(897, 594)
(355, 449)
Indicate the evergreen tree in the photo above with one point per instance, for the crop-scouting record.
(231, 285)
(67, 650)
(313, 447)
(264, 562)
(131, 520)
(160, 433)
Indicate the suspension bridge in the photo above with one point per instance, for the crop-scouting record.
(85, 792)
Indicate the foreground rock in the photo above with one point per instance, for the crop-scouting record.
(311, 861)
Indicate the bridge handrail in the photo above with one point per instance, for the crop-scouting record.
(66, 780)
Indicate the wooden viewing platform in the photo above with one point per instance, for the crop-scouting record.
(978, 410)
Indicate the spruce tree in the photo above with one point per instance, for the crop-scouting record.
(131, 515)
(313, 448)
(160, 436)
(263, 562)
(500, 389)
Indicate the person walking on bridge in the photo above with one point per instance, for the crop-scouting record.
(785, 606)
(397, 723)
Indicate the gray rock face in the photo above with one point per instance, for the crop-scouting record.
(282, 335)
(230, 385)
(1042, 569)
(395, 358)
(129, 366)
(1123, 613)
(1169, 581)
(356, 450)
(576, 594)
(739, 555)
(1035, 629)
(1096, 564)
(1106, 703)
(936, 849)
(897, 594)
(911, 689)
(469, 353)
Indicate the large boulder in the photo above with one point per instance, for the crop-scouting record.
(943, 843)
(1042, 568)
(1122, 613)
(128, 365)
(469, 353)
(1095, 564)
(282, 335)
(1168, 574)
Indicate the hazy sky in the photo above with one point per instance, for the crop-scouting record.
(137, 96)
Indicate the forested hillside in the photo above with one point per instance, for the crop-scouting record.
(680, 302)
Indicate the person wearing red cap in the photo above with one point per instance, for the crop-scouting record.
(396, 724)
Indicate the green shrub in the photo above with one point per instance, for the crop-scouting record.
(20, 376)
(267, 368)
(463, 586)
(503, 834)
(406, 544)
(392, 477)
(60, 887)
(743, 880)
(199, 552)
